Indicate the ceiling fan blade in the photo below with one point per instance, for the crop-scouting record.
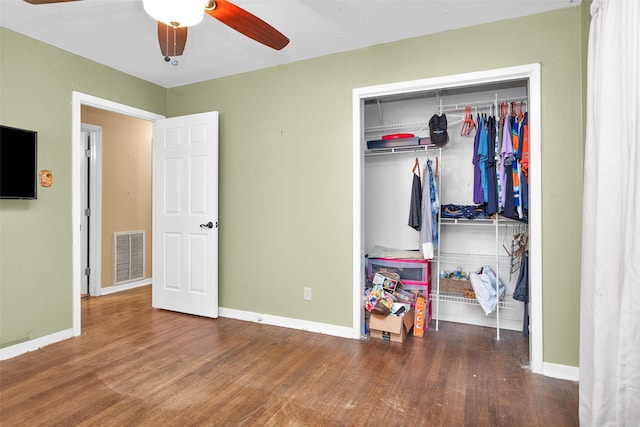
(172, 40)
(247, 24)
(47, 1)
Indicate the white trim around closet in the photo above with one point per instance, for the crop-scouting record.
(529, 72)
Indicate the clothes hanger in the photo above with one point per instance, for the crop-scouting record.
(520, 115)
(468, 124)
(416, 166)
(504, 111)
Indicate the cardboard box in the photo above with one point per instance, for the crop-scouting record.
(391, 328)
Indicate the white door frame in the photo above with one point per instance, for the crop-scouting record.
(529, 72)
(95, 205)
(79, 99)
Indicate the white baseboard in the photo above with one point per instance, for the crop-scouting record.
(34, 344)
(287, 322)
(124, 287)
(536, 367)
(562, 372)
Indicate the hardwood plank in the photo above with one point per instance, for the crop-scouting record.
(134, 365)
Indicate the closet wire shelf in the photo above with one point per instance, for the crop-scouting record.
(412, 127)
(507, 301)
(398, 150)
(421, 128)
(481, 221)
(458, 258)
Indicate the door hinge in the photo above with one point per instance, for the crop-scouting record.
(87, 212)
(87, 153)
(87, 271)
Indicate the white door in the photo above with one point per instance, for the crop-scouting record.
(185, 214)
(91, 216)
(85, 265)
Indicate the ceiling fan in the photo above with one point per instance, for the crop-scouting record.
(175, 16)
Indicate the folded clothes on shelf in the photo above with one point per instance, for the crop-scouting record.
(463, 211)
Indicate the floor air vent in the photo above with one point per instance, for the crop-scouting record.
(129, 256)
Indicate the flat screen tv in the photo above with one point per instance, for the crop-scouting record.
(18, 163)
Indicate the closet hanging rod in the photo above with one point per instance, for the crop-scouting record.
(481, 104)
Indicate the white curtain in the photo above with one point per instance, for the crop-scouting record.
(610, 293)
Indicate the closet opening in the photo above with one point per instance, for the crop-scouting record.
(382, 181)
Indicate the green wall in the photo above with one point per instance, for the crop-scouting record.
(285, 165)
(36, 85)
(285, 169)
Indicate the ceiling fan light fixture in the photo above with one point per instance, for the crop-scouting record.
(183, 12)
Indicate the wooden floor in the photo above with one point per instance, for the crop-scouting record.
(134, 365)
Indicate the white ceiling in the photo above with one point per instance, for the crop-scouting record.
(119, 34)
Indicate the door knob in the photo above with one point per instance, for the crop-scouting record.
(207, 225)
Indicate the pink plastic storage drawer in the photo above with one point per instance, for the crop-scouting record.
(411, 271)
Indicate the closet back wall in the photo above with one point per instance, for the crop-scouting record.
(388, 177)
(286, 166)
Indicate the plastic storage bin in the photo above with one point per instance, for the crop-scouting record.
(412, 272)
(415, 274)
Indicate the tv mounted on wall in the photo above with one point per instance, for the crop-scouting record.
(18, 163)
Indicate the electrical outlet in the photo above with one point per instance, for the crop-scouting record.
(307, 294)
